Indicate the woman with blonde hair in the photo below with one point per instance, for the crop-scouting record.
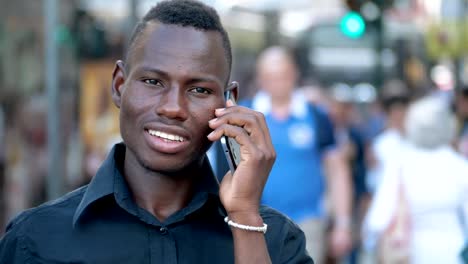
(433, 179)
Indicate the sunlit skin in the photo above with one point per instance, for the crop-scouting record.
(171, 100)
(172, 88)
(341, 112)
(396, 117)
(277, 75)
(461, 105)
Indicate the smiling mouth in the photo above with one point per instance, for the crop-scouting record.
(165, 136)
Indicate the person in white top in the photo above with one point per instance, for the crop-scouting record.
(434, 178)
(388, 144)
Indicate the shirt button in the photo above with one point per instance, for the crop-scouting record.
(163, 230)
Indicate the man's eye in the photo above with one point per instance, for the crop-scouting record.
(200, 90)
(152, 82)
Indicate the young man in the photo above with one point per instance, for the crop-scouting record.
(155, 198)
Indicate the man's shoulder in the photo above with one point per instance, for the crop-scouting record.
(60, 210)
(277, 220)
(271, 213)
(285, 240)
(387, 140)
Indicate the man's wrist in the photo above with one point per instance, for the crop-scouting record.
(342, 222)
(231, 223)
(246, 218)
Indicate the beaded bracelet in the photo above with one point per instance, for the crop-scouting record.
(262, 229)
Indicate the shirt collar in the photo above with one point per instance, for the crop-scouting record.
(101, 185)
(298, 107)
(109, 180)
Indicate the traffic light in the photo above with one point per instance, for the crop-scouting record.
(352, 25)
(363, 15)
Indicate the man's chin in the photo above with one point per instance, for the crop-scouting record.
(171, 163)
(169, 167)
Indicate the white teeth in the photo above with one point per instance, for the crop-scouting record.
(165, 135)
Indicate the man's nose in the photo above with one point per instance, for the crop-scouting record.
(173, 104)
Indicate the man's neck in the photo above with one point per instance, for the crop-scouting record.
(160, 194)
(281, 107)
(395, 125)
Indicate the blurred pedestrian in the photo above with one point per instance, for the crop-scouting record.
(351, 143)
(394, 99)
(461, 111)
(155, 198)
(2, 166)
(433, 180)
(26, 169)
(304, 140)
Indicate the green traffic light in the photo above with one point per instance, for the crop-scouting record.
(353, 25)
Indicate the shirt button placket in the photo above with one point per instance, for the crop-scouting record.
(167, 252)
(163, 230)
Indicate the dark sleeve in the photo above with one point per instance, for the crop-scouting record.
(324, 130)
(286, 241)
(359, 167)
(294, 247)
(11, 248)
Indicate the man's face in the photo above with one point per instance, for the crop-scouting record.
(461, 102)
(175, 82)
(341, 112)
(277, 75)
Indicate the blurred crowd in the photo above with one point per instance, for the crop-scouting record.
(382, 181)
(394, 165)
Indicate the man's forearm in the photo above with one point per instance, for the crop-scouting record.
(339, 187)
(249, 246)
(340, 192)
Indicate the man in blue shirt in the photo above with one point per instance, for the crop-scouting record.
(303, 136)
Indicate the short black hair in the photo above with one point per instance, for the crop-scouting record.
(185, 13)
(394, 92)
(463, 90)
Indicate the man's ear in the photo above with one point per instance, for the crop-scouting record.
(234, 87)
(118, 83)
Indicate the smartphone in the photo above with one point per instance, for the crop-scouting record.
(230, 146)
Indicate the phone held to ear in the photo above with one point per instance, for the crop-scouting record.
(230, 146)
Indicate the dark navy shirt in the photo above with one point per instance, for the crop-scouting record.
(101, 223)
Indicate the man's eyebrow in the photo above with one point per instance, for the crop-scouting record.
(166, 75)
(152, 70)
(203, 79)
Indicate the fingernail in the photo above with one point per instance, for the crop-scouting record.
(213, 120)
(219, 110)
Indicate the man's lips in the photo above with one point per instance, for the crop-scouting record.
(165, 142)
(164, 135)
